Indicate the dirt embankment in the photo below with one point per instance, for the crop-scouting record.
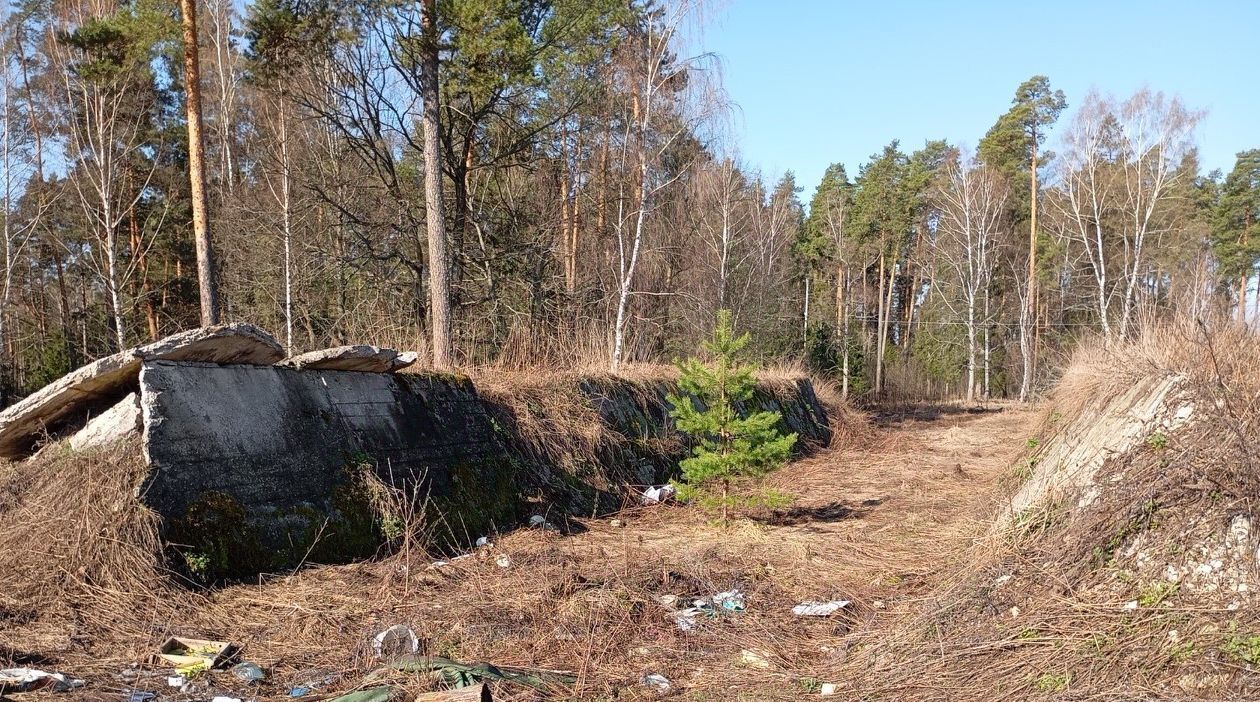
(1120, 561)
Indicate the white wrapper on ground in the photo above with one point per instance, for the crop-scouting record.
(819, 609)
(654, 495)
(24, 679)
(660, 682)
(396, 640)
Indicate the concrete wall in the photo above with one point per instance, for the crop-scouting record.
(255, 467)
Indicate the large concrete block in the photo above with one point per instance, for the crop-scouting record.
(278, 445)
(114, 424)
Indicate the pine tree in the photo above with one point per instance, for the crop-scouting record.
(730, 444)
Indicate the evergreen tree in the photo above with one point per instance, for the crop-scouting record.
(730, 444)
(1236, 230)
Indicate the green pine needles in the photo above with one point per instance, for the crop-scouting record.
(730, 444)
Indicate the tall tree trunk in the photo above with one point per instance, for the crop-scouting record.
(1030, 364)
(988, 349)
(206, 284)
(1242, 277)
(439, 266)
(971, 349)
(565, 217)
(286, 221)
(842, 327)
(879, 330)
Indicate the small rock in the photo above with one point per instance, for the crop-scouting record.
(657, 681)
(616, 523)
(829, 689)
(503, 561)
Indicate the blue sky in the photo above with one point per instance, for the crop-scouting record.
(818, 81)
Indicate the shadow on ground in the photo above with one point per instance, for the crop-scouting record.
(832, 512)
(893, 416)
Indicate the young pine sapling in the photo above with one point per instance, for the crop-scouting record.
(729, 443)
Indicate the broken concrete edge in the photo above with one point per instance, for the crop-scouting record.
(357, 357)
(1064, 468)
(114, 424)
(69, 401)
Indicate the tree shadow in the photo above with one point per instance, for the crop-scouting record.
(890, 416)
(832, 512)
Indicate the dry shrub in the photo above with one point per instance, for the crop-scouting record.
(550, 413)
(78, 550)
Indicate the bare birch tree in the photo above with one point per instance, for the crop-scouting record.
(1115, 178)
(656, 76)
(972, 203)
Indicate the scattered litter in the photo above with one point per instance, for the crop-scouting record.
(1130, 605)
(654, 495)
(222, 698)
(829, 689)
(1014, 611)
(502, 560)
(731, 600)
(657, 681)
(29, 679)
(753, 659)
(137, 696)
(819, 609)
(468, 674)
(616, 523)
(438, 564)
(395, 641)
(249, 672)
(300, 691)
(176, 680)
(728, 602)
(878, 604)
(189, 653)
(1002, 580)
(537, 520)
(686, 619)
(483, 541)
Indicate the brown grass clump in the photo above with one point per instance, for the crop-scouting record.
(79, 552)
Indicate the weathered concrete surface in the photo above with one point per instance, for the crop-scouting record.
(359, 357)
(1067, 466)
(114, 424)
(69, 401)
(278, 448)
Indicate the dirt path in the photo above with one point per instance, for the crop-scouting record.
(877, 524)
